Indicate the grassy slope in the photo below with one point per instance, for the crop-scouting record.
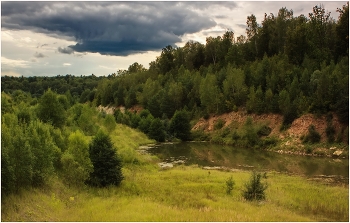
(180, 194)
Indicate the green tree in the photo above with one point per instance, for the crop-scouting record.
(109, 123)
(51, 110)
(18, 157)
(76, 162)
(44, 152)
(209, 93)
(254, 188)
(156, 130)
(106, 163)
(180, 125)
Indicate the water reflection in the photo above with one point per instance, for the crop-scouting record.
(206, 154)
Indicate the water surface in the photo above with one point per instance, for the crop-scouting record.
(207, 154)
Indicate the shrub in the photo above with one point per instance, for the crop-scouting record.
(264, 131)
(219, 124)
(313, 136)
(254, 189)
(200, 135)
(229, 185)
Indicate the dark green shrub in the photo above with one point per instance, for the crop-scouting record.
(264, 131)
(308, 149)
(106, 164)
(219, 124)
(254, 188)
(156, 130)
(199, 135)
(330, 130)
(313, 136)
(269, 142)
(235, 136)
(180, 125)
(225, 132)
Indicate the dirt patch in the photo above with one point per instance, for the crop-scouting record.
(301, 125)
(272, 120)
(298, 128)
(108, 110)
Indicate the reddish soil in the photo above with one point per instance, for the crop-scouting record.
(298, 128)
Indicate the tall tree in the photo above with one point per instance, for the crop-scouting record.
(106, 163)
(51, 110)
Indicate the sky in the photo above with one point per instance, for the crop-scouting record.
(84, 37)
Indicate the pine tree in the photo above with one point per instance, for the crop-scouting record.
(107, 165)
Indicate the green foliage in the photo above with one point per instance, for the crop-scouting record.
(50, 110)
(219, 124)
(229, 185)
(44, 152)
(28, 151)
(264, 131)
(156, 130)
(106, 163)
(109, 123)
(330, 131)
(251, 134)
(180, 125)
(254, 188)
(75, 160)
(313, 136)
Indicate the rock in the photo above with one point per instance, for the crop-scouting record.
(212, 168)
(179, 162)
(337, 153)
(333, 148)
(165, 166)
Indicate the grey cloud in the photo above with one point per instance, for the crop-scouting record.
(203, 5)
(65, 50)
(243, 26)
(221, 16)
(39, 55)
(111, 28)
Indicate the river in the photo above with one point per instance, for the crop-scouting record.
(213, 155)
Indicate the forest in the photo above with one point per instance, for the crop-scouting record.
(286, 65)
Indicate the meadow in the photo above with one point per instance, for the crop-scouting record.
(184, 193)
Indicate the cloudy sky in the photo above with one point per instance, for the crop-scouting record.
(81, 38)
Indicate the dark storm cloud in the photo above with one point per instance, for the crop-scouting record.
(111, 28)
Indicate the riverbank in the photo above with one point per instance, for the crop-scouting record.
(184, 193)
(267, 132)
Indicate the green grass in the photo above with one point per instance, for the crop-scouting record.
(185, 193)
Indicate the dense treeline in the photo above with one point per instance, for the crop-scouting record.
(288, 65)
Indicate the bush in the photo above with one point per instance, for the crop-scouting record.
(313, 136)
(264, 131)
(254, 189)
(200, 135)
(229, 185)
(219, 124)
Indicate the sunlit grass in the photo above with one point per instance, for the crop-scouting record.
(181, 194)
(184, 193)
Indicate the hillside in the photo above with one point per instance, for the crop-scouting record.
(298, 128)
(291, 139)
